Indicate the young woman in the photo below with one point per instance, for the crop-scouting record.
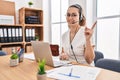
(77, 42)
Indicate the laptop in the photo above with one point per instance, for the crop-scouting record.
(42, 50)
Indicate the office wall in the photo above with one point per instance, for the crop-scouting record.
(90, 12)
(47, 20)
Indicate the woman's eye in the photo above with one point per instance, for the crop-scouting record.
(68, 15)
(72, 15)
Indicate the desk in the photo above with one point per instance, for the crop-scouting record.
(27, 70)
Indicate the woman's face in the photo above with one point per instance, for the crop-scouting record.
(72, 16)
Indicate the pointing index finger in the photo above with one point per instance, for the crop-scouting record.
(94, 24)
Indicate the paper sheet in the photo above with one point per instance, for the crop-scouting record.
(74, 72)
(29, 56)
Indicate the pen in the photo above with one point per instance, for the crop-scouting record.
(70, 74)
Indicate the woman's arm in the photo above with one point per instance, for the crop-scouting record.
(89, 52)
(89, 48)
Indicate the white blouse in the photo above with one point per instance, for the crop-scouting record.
(78, 44)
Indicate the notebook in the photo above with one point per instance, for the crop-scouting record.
(42, 50)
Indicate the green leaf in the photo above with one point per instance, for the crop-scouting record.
(30, 3)
(14, 56)
(41, 66)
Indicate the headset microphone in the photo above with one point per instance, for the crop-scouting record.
(74, 22)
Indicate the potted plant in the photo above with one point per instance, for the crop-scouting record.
(30, 3)
(41, 75)
(14, 59)
(37, 38)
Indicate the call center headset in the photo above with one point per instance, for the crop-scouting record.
(80, 10)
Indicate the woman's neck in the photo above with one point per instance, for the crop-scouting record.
(74, 29)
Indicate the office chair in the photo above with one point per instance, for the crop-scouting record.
(98, 55)
(109, 64)
(2, 53)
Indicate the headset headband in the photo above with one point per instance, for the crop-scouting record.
(80, 10)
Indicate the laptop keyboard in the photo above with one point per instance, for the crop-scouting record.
(58, 62)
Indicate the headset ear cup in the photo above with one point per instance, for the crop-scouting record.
(80, 18)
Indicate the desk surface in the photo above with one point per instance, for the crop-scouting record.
(27, 70)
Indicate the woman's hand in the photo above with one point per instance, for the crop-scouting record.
(63, 56)
(89, 32)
